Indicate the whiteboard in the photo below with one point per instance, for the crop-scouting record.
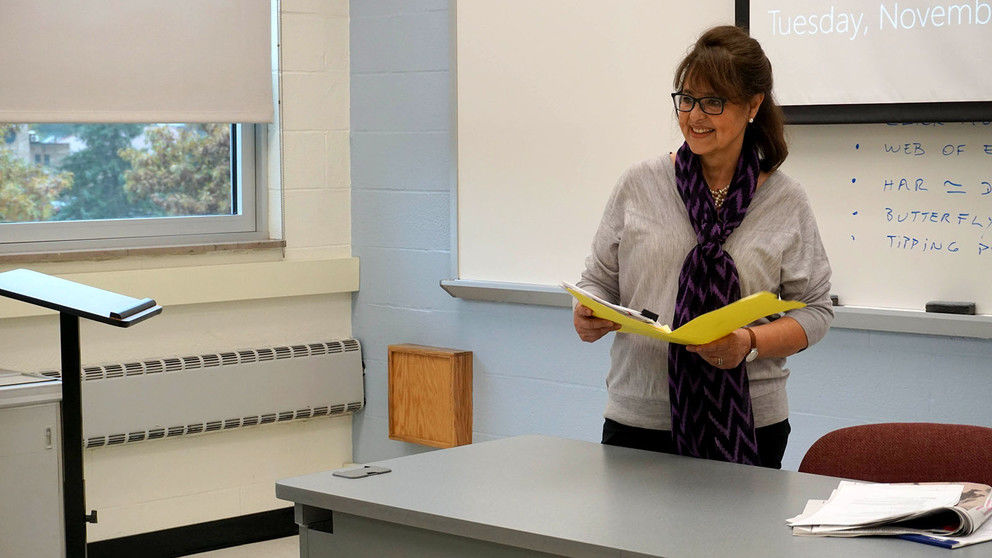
(555, 98)
(905, 211)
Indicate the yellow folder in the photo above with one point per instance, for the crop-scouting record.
(700, 330)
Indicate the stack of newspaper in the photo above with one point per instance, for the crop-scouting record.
(950, 515)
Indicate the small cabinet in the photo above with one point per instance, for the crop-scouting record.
(31, 523)
(430, 395)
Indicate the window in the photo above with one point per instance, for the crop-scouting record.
(85, 159)
(113, 185)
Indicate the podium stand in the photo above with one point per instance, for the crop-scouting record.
(73, 301)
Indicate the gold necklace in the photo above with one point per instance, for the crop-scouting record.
(720, 195)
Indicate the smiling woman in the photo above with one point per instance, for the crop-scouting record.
(736, 70)
(716, 132)
(689, 232)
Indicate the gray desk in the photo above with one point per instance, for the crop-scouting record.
(538, 496)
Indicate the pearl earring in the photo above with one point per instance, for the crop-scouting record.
(750, 121)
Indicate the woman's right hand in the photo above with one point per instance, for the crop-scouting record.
(589, 328)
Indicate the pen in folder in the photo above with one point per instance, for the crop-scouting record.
(943, 543)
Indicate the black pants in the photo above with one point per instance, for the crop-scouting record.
(771, 440)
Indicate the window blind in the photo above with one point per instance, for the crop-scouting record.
(135, 61)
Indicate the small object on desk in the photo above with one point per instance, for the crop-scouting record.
(361, 472)
(834, 300)
(951, 307)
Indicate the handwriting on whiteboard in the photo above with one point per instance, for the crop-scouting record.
(945, 208)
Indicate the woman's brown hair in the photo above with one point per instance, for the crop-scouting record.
(732, 63)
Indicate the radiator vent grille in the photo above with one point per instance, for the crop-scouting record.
(192, 362)
(132, 402)
(178, 364)
(265, 354)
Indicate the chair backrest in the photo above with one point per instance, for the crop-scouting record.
(904, 452)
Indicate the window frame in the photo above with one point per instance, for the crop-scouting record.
(250, 223)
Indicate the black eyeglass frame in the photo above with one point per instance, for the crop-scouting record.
(695, 101)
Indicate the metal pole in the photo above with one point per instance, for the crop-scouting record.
(73, 492)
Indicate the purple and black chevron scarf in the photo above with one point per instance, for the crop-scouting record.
(711, 408)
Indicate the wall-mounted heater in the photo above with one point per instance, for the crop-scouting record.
(179, 396)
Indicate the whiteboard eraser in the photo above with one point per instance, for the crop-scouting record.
(950, 307)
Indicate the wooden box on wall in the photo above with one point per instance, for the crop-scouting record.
(430, 395)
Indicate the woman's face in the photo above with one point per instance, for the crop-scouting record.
(716, 137)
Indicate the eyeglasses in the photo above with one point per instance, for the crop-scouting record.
(709, 105)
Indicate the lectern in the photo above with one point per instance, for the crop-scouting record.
(73, 301)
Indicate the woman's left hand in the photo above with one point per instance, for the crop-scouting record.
(726, 352)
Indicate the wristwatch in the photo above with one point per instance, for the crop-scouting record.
(754, 346)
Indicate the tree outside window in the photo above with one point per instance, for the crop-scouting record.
(114, 171)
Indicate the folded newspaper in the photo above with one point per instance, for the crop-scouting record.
(950, 515)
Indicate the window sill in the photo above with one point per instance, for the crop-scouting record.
(7, 260)
(172, 278)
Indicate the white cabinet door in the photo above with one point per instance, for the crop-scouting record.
(30, 482)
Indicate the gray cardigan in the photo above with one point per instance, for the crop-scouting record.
(636, 258)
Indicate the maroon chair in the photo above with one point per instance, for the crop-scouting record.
(904, 452)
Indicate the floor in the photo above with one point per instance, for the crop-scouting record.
(288, 547)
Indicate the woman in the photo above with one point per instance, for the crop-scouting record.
(689, 232)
